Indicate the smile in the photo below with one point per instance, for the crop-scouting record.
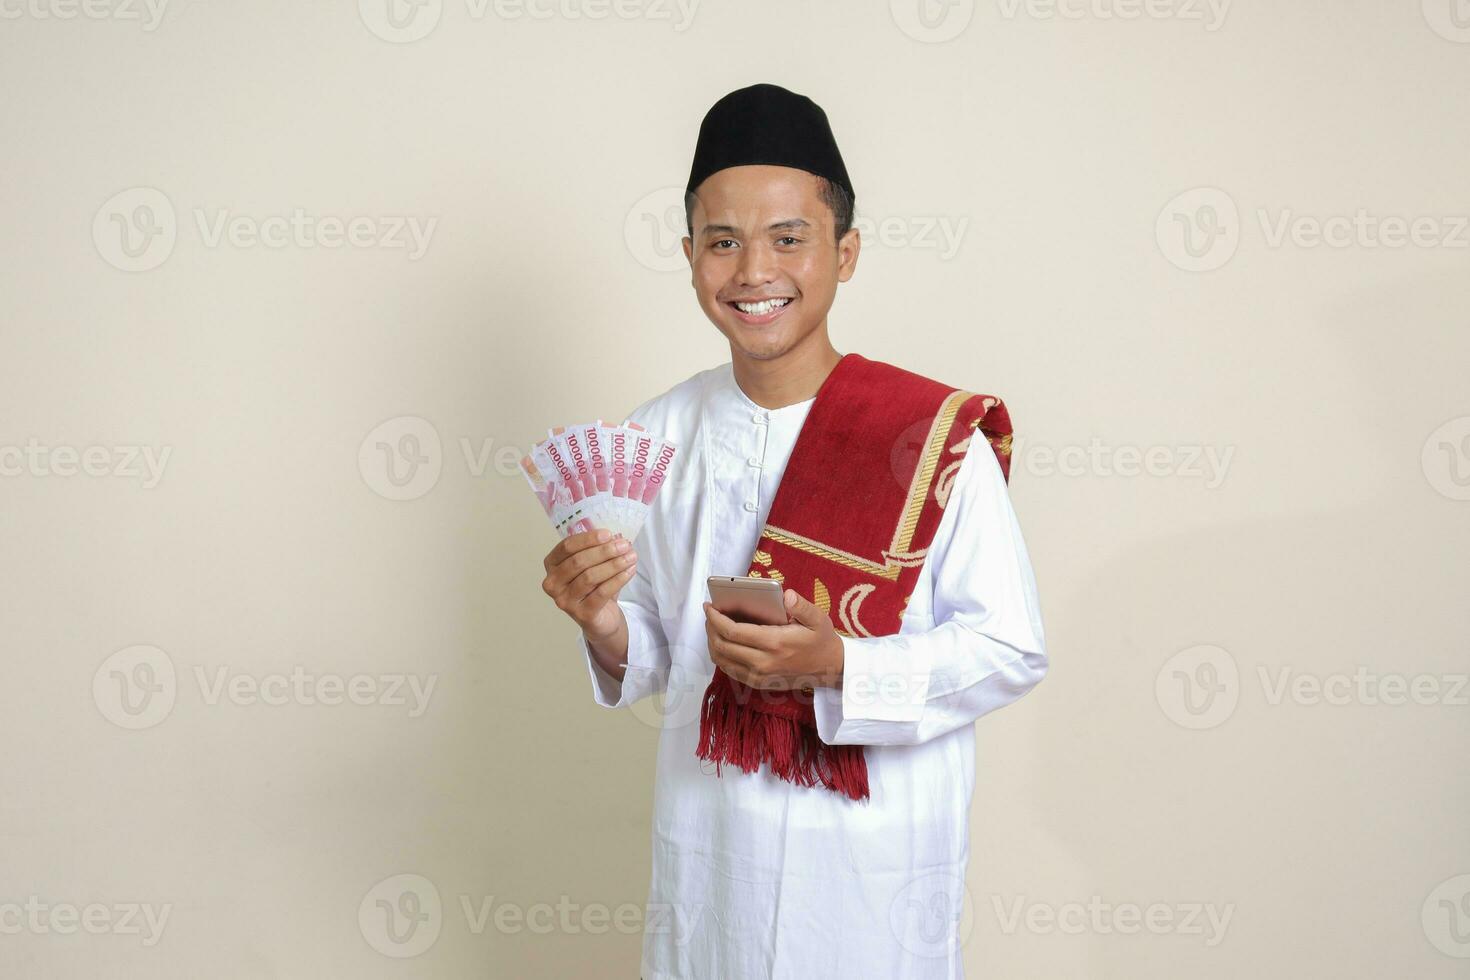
(761, 311)
(761, 308)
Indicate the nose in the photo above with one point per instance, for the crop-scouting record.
(757, 264)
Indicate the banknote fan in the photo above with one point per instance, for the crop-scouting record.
(598, 476)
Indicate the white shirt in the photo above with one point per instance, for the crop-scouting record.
(755, 878)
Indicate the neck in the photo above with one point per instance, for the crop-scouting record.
(792, 377)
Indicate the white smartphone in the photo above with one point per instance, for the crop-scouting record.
(749, 600)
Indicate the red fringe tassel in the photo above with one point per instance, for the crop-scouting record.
(735, 733)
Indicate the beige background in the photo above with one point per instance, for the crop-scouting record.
(1160, 764)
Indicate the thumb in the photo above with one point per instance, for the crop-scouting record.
(804, 611)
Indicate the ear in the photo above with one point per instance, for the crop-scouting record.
(848, 248)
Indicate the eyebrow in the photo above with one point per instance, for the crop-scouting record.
(789, 224)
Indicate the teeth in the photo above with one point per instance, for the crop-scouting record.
(763, 307)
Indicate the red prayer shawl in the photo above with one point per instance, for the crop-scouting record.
(855, 512)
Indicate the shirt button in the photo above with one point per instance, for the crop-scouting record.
(758, 418)
(753, 461)
(750, 506)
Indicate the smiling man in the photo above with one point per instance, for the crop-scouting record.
(813, 779)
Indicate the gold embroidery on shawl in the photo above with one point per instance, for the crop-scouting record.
(837, 555)
(847, 610)
(820, 598)
(945, 483)
(924, 472)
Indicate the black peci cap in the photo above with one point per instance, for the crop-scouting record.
(767, 124)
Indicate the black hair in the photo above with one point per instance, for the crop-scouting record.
(833, 195)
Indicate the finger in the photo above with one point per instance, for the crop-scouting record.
(591, 557)
(735, 671)
(557, 554)
(585, 539)
(580, 587)
(749, 634)
(748, 658)
(804, 611)
(573, 543)
(609, 590)
(743, 672)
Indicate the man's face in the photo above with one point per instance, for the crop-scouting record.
(762, 233)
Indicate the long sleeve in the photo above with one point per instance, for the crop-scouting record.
(648, 661)
(986, 648)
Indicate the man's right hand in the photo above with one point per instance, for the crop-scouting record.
(584, 573)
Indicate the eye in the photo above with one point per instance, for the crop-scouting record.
(789, 238)
(723, 241)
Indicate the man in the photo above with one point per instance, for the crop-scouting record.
(829, 838)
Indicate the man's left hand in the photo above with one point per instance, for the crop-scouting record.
(805, 653)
